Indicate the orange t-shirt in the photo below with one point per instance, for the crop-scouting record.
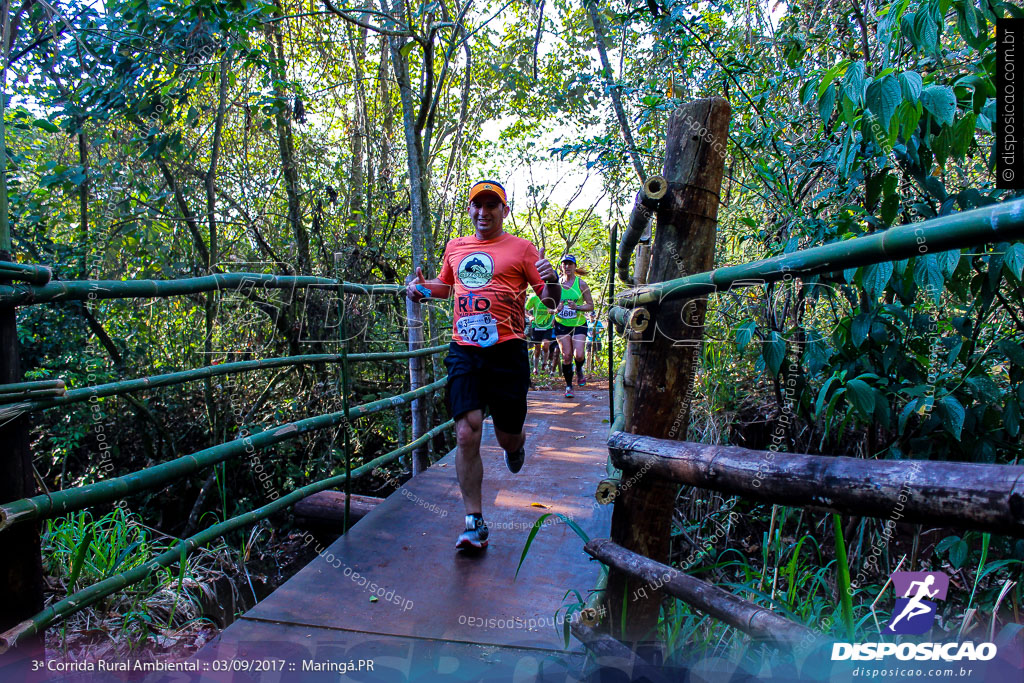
(490, 279)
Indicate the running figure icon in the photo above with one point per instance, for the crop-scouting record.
(915, 608)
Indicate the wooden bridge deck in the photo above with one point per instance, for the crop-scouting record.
(439, 611)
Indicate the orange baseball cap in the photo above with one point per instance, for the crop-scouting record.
(488, 186)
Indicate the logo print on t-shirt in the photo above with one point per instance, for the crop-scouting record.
(476, 270)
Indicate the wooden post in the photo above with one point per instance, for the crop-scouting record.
(666, 358)
(417, 378)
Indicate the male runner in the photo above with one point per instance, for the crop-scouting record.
(543, 331)
(487, 363)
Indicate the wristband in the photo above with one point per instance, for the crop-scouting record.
(424, 291)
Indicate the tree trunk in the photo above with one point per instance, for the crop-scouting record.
(667, 360)
(613, 90)
(286, 146)
(21, 568)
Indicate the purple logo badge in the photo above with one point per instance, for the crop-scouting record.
(914, 612)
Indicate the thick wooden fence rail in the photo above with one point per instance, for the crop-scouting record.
(20, 398)
(971, 495)
(752, 619)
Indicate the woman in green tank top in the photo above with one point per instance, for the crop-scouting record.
(571, 321)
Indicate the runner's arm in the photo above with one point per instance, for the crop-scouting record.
(437, 288)
(585, 291)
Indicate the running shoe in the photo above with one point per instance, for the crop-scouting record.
(514, 461)
(568, 392)
(581, 381)
(475, 535)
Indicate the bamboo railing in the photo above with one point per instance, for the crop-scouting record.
(83, 598)
(1000, 222)
(169, 379)
(83, 290)
(109, 490)
(34, 275)
(19, 398)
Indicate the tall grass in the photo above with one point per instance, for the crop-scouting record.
(79, 550)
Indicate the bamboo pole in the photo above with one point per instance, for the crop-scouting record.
(128, 386)
(750, 618)
(344, 382)
(417, 377)
(638, 228)
(32, 274)
(999, 223)
(976, 496)
(80, 290)
(18, 387)
(611, 330)
(109, 490)
(55, 392)
(100, 590)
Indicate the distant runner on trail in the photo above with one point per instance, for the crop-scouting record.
(488, 367)
(595, 332)
(542, 333)
(570, 323)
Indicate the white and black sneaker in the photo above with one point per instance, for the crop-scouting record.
(475, 535)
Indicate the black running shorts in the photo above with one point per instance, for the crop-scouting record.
(562, 330)
(538, 336)
(494, 378)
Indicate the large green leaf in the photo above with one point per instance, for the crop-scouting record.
(928, 276)
(862, 396)
(876, 277)
(827, 103)
(773, 350)
(882, 98)
(947, 262)
(953, 415)
(1014, 259)
(910, 85)
(962, 135)
(744, 333)
(1012, 350)
(940, 101)
(853, 83)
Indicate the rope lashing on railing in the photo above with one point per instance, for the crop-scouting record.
(61, 502)
(1001, 222)
(82, 290)
(131, 385)
(644, 207)
(960, 494)
(100, 590)
(32, 274)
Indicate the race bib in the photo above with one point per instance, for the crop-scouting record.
(568, 311)
(479, 329)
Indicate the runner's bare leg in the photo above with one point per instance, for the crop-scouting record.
(469, 467)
